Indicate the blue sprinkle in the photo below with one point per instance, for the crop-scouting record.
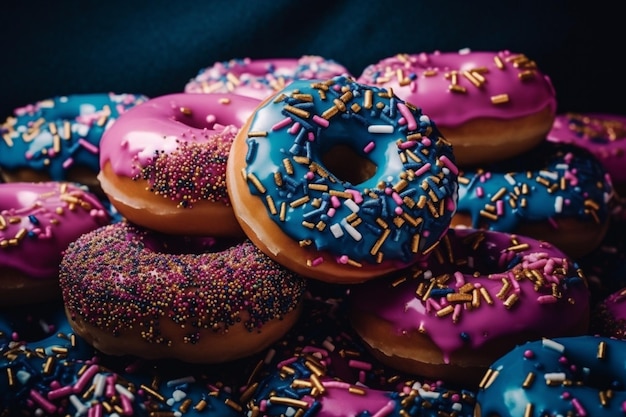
(33, 219)
(465, 336)
(252, 148)
(440, 292)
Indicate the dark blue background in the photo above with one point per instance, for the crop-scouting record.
(155, 47)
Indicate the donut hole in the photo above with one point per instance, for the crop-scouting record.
(347, 165)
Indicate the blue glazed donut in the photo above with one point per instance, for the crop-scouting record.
(61, 375)
(342, 181)
(570, 376)
(58, 138)
(557, 193)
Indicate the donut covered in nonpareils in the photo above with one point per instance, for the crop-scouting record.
(129, 290)
(341, 181)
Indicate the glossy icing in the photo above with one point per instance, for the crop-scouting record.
(604, 135)
(577, 376)
(61, 133)
(143, 277)
(60, 374)
(455, 87)
(302, 386)
(39, 220)
(260, 78)
(551, 181)
(479, 286)
(178, 143)
(398, 213)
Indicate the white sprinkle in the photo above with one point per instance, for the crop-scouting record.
(78, 405)
(336, 230)
(380, 129)
(432, 395)
(354, 234)
(23, 376)
(179, 395)
(183, 380)
(555, 376)
(558, 204)
(123, 391)
(551, 344)
(290, 411)
(509, 178)
(549, 174)
(99, 381)
(354, 207)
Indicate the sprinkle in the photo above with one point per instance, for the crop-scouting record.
(380, 129)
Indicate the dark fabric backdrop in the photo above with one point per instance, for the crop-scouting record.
(155, 47)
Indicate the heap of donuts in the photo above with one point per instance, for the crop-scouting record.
(284, 238)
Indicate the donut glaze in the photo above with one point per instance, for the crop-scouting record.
(478, 295)
(129, 290)
(548, 185)
(53, 137)
(163, 165)
(61, 375)
(37, 223)
(604, 135)
(261, 78)
(360, 182)
(455, 88)
(302, 386)
(577, 376)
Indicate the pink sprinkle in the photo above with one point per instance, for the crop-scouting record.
(369, 147)
(283, 123)
(317, 261)
(15, 336)
(43, 403)
(89, 146)
(210, 119)
(459, 278)
(334, 200)
(500, 207)
(423, 169)
(333, 383)
(480, 192)
(385, 410)
(449, 164)
(362, 377)
(408, 144)
(295, 128)
(529, 354)
(309, 175)
(310, 137)
(60, 392)
(110, 389)
(546, 299)
(366, 366)
(398, 211)
(85, 378)
(426, 141)
(356, 195)
(68, 162)
(320, 121)
(406, 113)
(127, 405)
(343, 259)
(396, 197)
(579, 408)
(331, 212)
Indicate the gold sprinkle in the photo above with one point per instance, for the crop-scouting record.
(356, 390)
(528, 411)
(289, 401)
(488, 378)
(256, 182)
(511, 300)
(500, 99)
(271, 205)
(257, 134)
(299, 202)
(298, 112)
(185, 110)
(530, 378)
(445, 311)
(455, 88)
(602, 346)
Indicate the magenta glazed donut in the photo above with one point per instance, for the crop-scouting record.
(163, 164)
(489, 105)
(261, 78)
(475, 298)
(37, 223)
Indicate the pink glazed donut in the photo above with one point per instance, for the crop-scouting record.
(261, 78)
(478, 295)
(163, 165)
(37, 222)
(604, 135)
(489, 105)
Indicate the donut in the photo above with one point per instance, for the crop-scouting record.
(476, 297)
(163, 165)
(558, 193)
(354, 182)
(302, 387)
(609, 315)
(566, 376)
(58, 139)
(604, 135)
(134, 291)
(38, 221)
(490, 105)
(261, 78)
(59, 374)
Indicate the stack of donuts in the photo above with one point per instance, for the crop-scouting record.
(282, 237)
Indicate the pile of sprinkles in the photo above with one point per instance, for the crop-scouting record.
(397, 214)
(572, 376)
(120, 278)
(192, 172)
